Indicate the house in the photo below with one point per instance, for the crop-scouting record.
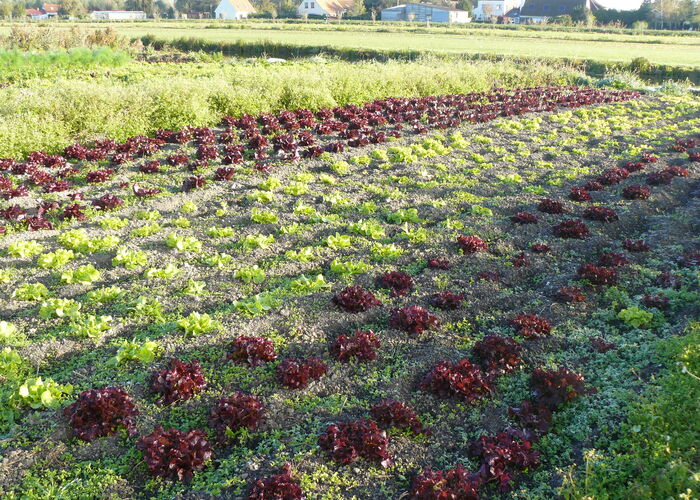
(324, 8)
(234, 9)
(117, 15)
(36, 14)
(540, 11)
(424, 12)
(51, 9)
(490, 10)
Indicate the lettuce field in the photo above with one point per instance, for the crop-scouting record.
(482, 295)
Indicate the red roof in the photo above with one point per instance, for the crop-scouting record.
(51, 8)
(34, 12)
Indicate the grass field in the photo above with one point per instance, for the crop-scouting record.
(679, 51)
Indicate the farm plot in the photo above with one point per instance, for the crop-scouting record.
(447, 294)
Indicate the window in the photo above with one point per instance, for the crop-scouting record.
(306, 5)
(312, 5)
(545, 7)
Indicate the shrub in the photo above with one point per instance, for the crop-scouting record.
(392, 413)
(531, 326)
(498, 354)
(461, 380)
(361, 346)
(553, 388)
(173, 454)
(354, 299)
(295, 373)
(360, 438)
(252, 350)
(178, 382)
(280, 486)
(413, 319)
(99, 412)
(234, 412)
(570, 228)
(471, 244)
(455, 484)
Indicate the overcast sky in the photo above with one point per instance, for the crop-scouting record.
(621, 4)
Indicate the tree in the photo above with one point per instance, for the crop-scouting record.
(6, 9)
(19, 10)
(72, 8)
(357, 9)
(582, 14)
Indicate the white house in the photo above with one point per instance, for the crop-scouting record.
(234, 9)
(37, 14)
(117, 15)
(423, 12)
(329, 8)
(487, 10)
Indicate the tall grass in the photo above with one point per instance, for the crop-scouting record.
(16, 64)
(141, 98)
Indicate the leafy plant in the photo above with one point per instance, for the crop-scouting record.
(235, 412)
(257, 304)
(250, 274)
(173, 454)
(281, 485)
(178, 382)
(198, 324)
(362, 438)
(59, 308)
(462, 380)
(55, 260)
(39, 393)
(132, 350)
(24, 249)
(130, 259)
(31, 292)
(100, 412)
(295, 373)
(90, 326)
(251, 350)
(362, 345)
(183, 243)
(412, 319)
(83, 275)
(636, 317)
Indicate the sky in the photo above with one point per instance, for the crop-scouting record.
(621, 4)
